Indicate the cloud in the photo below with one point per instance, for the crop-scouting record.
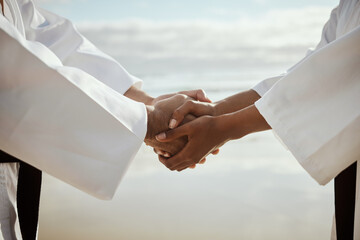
(277, 37)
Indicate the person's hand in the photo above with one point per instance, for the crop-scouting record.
(194, 108)
(158, 121)
(197, 94)
(204, 136)
(197, 109)
(207, 133)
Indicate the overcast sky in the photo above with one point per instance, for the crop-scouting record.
(222, 10)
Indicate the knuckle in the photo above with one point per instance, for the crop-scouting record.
(180, 97)
(187, 104)
(189, 162)
(176, 114)
(190, 104)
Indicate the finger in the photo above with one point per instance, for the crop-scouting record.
(184, 165)
(171, 135)
(202, 161)
(188, 156)
(174, 160)
(202, 97)
(181, 162)
(166, 162)
(216, 151)
(162, 153)
(163, 160)
(198, 94)
(180, 165)
(190, 107)
(193, 166)
(159, 152)
(180, 113)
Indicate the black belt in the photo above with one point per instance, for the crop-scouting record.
(345, 196)
(28, 196)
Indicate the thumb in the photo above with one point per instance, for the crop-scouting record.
(201, 96)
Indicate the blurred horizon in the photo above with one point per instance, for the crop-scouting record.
(254, 189)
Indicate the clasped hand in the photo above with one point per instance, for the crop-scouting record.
(172, 106)
(202, 135)
(203, 127)
(180, 111)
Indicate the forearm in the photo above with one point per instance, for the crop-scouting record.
(241, 123)
(139, 95)
(207, 133)
(236, 102)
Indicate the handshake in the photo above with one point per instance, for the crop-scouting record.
(168, 112)
(184, 128)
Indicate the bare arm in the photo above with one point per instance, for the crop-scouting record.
(207, 133)
(138, 95)
(228, 105)
(236, 102)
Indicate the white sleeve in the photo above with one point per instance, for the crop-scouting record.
(62, 120)
(328, 35)
(62, 38)
(315, 111)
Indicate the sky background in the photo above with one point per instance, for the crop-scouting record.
(169, 10)
(254, 189)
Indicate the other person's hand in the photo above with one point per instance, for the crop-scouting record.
(158, 121)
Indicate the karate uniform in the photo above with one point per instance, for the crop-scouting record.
(314, 108)
(62, 108)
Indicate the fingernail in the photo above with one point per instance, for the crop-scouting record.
(166, 155)
(161, 136)
(172, 123)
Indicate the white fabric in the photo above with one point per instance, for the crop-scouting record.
(315, 107)
(328, 35)
(61, 103)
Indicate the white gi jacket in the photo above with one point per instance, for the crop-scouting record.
(61, 103)
(315, 106)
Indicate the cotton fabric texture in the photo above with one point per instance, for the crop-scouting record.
(314, 108)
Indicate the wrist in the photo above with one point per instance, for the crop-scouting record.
(223, 126)
(139, 95)
(232, 125)
(148, 100)
(217, 107)
(236, 102)
(150, 119)
(243, 122)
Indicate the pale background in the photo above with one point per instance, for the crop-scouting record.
(254, 189)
